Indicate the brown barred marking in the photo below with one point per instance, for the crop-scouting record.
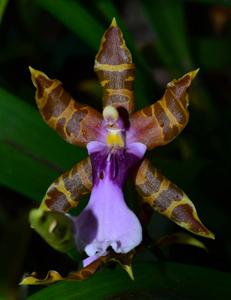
(60, 127)
(185, 212)
(78, 124)
(169, 132)
(65, 192)
(155, 178)
(56, 200)
(175, 108)
(161, 122)
(48, 110)
(167, 199)
(115, 70)
(124, 259)
(42, 83)
(54, 276)
(74, 124)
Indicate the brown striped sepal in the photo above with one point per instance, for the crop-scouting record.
(78, 124)
(159, 123)
(66, 191)
(125, 260)
(167, 199)
(54, 276)
(115, 70)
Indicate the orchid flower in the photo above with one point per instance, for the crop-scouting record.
(116, 141)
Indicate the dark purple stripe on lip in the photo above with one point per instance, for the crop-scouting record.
(114, 163)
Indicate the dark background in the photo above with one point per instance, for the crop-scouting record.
(61, 38)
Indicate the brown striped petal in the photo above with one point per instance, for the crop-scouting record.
(54, 276)
(161, 122)
(125, 261)
(66, 191)
(78, 124)
(115, 70)
(167, 199)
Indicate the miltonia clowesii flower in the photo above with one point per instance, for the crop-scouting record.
(116, 141)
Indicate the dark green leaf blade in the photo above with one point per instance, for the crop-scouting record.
(73, 15)
(169, 280)
(168, 23)
(31, 154)
(3, 5)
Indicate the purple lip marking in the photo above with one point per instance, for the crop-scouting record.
(107, 221)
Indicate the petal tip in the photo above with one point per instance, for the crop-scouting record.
(113, 49)
(35, 74)
(211, 236)
(33, 279)
(193, 73)
(128, 269)
(31, 69)
(204, 232)
(113, 23)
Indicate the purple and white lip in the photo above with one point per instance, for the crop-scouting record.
(107, 221)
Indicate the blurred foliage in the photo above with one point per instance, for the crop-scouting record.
(166, 38)
(3, 5)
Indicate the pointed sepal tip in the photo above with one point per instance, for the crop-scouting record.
(35, 74)
(129, 271)
(193, 73)
(113, 22)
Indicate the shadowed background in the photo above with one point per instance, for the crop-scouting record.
(167, 39)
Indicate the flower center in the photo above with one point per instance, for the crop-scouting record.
(115, 132)
(114, 138)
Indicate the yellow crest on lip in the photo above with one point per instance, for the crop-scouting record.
(114, 138)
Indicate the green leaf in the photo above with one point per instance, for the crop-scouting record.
(155, 280)
(168, 23)
(177, 170)
(75, 17)
(213, 53)
(216, 2)
(14, 235)
(3, 4)
(31, 154)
